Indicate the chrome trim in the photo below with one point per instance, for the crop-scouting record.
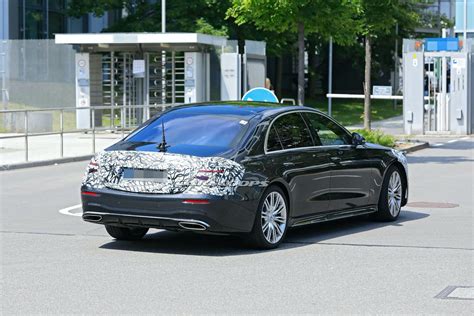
(299, 148)
(194, 221)
(192, 226)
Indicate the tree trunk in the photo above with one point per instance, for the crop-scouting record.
(300, 63)
(312, 76)
(367, 83)
(279, 77)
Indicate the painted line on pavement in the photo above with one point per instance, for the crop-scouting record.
(67, 210)
(453, 141)
(438, 144)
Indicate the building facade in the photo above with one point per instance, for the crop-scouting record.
(41, 19)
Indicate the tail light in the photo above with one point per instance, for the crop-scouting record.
(93, 166)
(204, 174)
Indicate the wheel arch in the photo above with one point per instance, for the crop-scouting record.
(404, 175)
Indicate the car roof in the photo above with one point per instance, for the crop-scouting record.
(245, 109)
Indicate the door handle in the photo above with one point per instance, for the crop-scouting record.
(335, 158)
(288, 164)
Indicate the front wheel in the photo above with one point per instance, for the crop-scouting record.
(271, 220)
(124, 233)
(390, 201)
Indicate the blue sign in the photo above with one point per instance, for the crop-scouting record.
(260, 94)
(437, 44)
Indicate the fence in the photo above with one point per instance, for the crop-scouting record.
(61, 122)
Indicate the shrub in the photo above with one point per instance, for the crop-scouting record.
(377, 137)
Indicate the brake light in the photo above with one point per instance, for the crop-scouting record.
(89, 193)
(196, 201)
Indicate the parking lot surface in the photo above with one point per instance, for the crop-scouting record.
(53, 263)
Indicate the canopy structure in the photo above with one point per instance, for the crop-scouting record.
(151, 69)
(106, 42)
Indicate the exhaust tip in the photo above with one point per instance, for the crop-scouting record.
(92, 217)
(192, 226)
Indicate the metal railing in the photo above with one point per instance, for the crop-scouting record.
(123, 128)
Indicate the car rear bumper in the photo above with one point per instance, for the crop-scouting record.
(225, 214)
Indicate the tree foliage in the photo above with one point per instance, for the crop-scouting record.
(323, 17)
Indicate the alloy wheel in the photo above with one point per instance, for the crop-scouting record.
(394, 193)
(273, 217)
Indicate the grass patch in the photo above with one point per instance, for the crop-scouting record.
(351, 111)
(377, 137)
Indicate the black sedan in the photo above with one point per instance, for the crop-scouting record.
(254, 169)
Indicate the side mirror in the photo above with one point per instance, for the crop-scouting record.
(357, 139)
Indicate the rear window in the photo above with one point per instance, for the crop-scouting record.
(194, 126)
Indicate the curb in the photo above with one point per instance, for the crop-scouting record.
(416, 147)
(43, 163)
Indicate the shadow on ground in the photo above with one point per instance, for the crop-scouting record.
(209, 245)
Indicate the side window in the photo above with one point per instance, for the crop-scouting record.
(292, 132)
(273, 142)
(328, 132)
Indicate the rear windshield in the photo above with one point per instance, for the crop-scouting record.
(197, 126)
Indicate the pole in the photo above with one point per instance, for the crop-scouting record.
(464, 34)
(4, 75)
(330, 77)
(444, 88)
(395, 73)
(163, 16)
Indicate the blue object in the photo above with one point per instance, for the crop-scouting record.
(260, 94)
(437, 44)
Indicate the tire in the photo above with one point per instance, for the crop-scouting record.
(391, 196)
(269, 229)
(124, 233)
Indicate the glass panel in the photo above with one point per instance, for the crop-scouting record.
(273, 142)
(193, 126)
(328, 132)
(34, 24)
(292, 131)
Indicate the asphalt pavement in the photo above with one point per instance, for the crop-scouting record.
(53, 263)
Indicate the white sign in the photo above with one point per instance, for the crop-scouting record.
(382, 90)
(139, 68)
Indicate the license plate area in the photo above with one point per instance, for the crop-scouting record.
(144, 175)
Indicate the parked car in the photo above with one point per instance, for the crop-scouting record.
(254, 169)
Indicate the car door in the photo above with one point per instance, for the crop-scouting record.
(351, 174)
(305, 167)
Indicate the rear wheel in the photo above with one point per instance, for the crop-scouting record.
(124, 233)
(390, 201)
(271, 221)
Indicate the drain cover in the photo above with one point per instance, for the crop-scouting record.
(457, 293)
(432, 205)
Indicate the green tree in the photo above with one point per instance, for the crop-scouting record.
(377, 18)
(303, 17)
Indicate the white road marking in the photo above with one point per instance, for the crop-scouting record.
(463, 293)
(453, 141)
(438, 144)
(465, 138)
(67, 210)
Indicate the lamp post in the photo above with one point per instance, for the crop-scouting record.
(163, 16)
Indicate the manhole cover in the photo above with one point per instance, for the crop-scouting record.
(432, 205)
(457, 293)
